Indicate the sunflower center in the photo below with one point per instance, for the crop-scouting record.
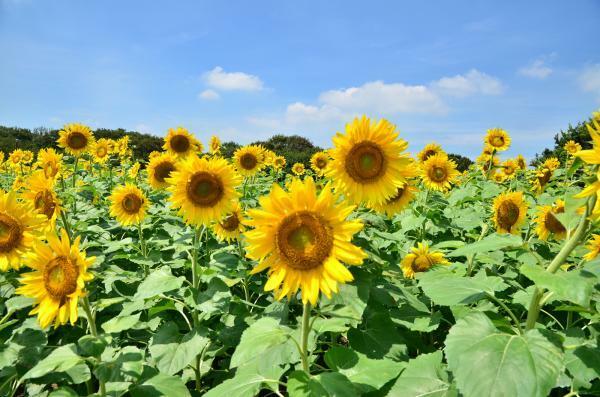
(508, 214)
(545, 177)
(50, 170)
(553, 224)
(44, 203)
(438, 174)
(397, 196)
(428, 154)
(132, 203)
(205, 189)
(101, 152)
(304, 240)
(163, 171)
(497, 141)
(230, 223)
(60, 277)
(509, 170)
(11, 233)
(421, 263)
(77, 140)
(248, 161)
(180, 143)
(321, 163)
(365, 163)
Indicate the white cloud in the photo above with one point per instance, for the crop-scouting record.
(232, 81)
(589, 80)
(209, 95)
(537, 70)
(473, 82)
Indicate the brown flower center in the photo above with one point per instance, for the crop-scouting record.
(544, 177)
(180, 143)
(497, 141)
(321, 163)
(205, 189)
(163, 170)
(77, 140)
(365, 163)
(132, 203)
(60, 277)
(421, 263)
(397, 196)
(304, 240)
(101, 151)
(508, 214)
(44, 203)
(552, 223)
(11, 233)
(428, 154)
(248, 161)
(438, 174)
(230, 223)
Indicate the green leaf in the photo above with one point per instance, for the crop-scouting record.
(172, 351)
(215, 299)
(64, 391)
(574, 286)
(424, 376)
(158, 282)
(351, 300)
(300, 384)
(378, 338)
(18, 302)
(61, 359)
(447, 288)
(493, 242)
(487, 362)
(121, 365)
(161, 385)
(249, 380)
(91, 346)
(120, 323)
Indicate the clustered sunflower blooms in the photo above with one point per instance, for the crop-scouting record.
(421, 259)
(50, 162)
(214, 145)
(509, 212)
(41, 195)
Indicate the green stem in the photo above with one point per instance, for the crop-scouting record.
(143, 247)
(63, 216)
(94, 331)
(304, 341)
(507, 310)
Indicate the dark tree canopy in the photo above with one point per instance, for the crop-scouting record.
(294, 148)
(577, 133)
(462, 162)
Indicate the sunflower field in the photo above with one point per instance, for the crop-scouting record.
(375, 272)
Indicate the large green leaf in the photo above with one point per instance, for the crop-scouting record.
(249, 379)
(493, 242)
(575, 286)
(173, 351)
(161, 385)
(487, 362)
(327, 384)
(424, 376)
(61, 359)
(158, 282)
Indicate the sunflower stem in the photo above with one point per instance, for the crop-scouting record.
(63, 216)
(143, 247)
(94, 331)
(306, 325)
(536, 305)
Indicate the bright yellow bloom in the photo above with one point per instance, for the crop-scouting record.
(60, 270)
(269, 156)
(20, 226)
(134, 170)
(249, 159)
(215, 144)
(75, 138)
(203, 191)
(179, 142)
(509, 168)
(279, 162)
(160, 168)
(368, 163)
(302, 238)
(541, 179)
(421, 259)
(498, 139)
(231, 226)
(397, 203)
(153, 154)
(40, 193)
(128, 205)
(27, 157)
(499, 176)
(521, 162)
(572, 147)
(15, 158)
(298, 169)
(547, 223)
(438, 172)
(551, 163)
(431, 149)
(101, 151)
(593, 247)
(509, 212)
(319, 162)
(50, 162)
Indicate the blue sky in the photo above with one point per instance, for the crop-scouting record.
(441, 71)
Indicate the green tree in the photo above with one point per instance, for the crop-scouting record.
(462, 162)
(577, 133)
(294, 148)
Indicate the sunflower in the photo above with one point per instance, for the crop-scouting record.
(510, 210)
(547, 223)
(203, 191)
(368, 161)
(160, 168)
(40, 193)
(18, 183)
(319, 162)
(509, 168)
(521, 162)
(541, 179)
(19, 227)
(179, 142)
(15, 158)
(421, 259)
(1, 157)
(269, 156)
(113, 148)
(302, 238)
(499, 176)
(231, 226)
(75, 138)
(438, 172)
(50, 162)
(60, 270)
(153, 154)
(249, 159)
(487, 150)
(134, 170)
(279, 162)
(404, 195)
(122, 146)
(101, 151)
(498, 139)
(551, 163)
(298, 169)
(27, 157)
(128, 204)
(214, 145)
(431, 149)
(593, 247)
(572, 147)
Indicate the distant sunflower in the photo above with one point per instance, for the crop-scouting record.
(487, 150)
(160, 168)
(40, 193)
(27, 157)
(509, 168)
(269, 156)
(214, 145)
(50, 162)
(100, 151)
(498, 139)
(572, 147)
(431, 149)
(75, 138)
(179, 142)
(302, 238)
(593, 247)
(249, 159)
(153, 154)
(368, 161)
(521, 162)
(509, 212)
(122, 147)
(128, 205)
(421, 259)
(319, 162)
(551, 163)
(134, 170)
(279, 162)
(112, 146)
(438, 172)
(298, 169)
(20, 226)
(548, 224)
(60, 270)
(15, 158)
(541, 179)
(395, 204)
(499, 176)
(231, 226)
(203, 191)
